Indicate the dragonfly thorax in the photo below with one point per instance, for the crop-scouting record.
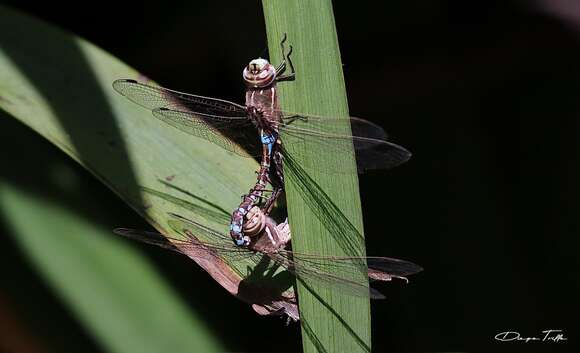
(259, 73)
(272, 238)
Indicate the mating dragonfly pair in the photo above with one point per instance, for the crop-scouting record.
(260, 125)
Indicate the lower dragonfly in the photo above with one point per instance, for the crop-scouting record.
(233, 127)
(271, 240)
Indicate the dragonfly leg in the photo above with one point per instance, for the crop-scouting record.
(278, 168)
(271, 200)
(292, 118)
(282, 67)
(262, 197)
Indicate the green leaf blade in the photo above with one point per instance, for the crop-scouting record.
(60, 86)
(323, 207)
(112, 290)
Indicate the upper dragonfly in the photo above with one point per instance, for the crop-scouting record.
(233, 126)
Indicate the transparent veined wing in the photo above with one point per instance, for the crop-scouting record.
(369, 141)
(226, 124)
(190, 246)
(219, 121)
(153, 97)
(343, 273)
(346, 273)
(236, 135)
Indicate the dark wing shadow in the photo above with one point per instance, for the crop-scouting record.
(265, 285)
(330, 215)
(197, 205)
(340, 228)
(312, 336)
(345, 324)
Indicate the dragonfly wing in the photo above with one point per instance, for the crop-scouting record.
(392, 267)
(369, 140)
(315, 123)
(325, 272)
(219, 243)
(236, 135)
(384, 155)
(190, 245)
(215, 120)
(153, 97)
(388, 265)
(152, 238)
(325, 269)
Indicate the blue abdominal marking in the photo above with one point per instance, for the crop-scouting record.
(235, 227)
(268, 140)
(241, 242)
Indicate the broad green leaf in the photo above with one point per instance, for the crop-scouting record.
(59, 85)
(113, 291)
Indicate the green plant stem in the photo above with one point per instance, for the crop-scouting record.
(331, 320)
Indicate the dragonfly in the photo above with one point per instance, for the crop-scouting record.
(243, 129)
(272, 243)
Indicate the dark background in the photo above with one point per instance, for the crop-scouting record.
(485, 95)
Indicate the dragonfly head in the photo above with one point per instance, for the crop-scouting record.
(259, 73)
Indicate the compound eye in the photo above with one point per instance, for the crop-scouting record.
(257, 65)
(259, 73)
